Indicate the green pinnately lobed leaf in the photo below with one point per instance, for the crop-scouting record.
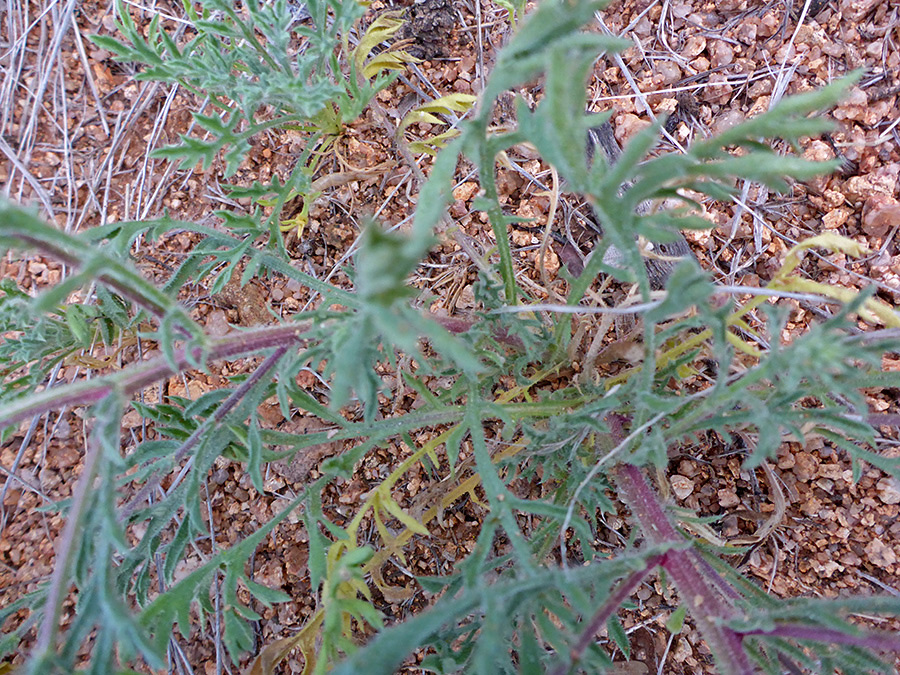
(501, 417)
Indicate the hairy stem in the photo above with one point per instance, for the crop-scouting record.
(867, 640)
(606, 610)
(66, 544)
(233, 399)
(133, 379)
(697, 589)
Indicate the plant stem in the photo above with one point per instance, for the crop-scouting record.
(216, 418)
(46, 640)
(625, 589)
(135, 378)
(708, 606)
(121, 280)
(868, 640)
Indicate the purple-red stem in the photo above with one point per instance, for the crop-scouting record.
(136, 377)
(869, 640)
(69, 258)
(620, 595)
(233, 399)
(708, 607)
(66, 542)
(701, 588)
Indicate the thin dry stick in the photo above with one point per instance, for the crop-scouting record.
(148, 173)
(60, 28)
(88, 75)
(5, 509)
(39, 190)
